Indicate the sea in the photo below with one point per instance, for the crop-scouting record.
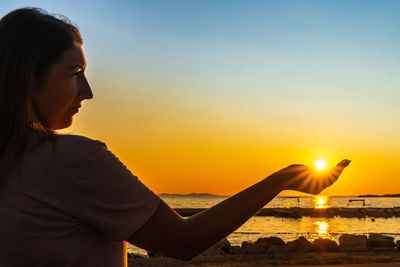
(292, 228)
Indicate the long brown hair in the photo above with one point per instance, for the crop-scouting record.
(31, 41)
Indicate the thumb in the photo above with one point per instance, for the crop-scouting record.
(344, 163)
(338, 169)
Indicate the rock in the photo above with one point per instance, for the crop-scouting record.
(299, 245)
(134, 255)
(245, 244)
(263, 245)
(276, 249)
(288, 213)
(262, 242)
(273, 240)
(398, 244)
(353, 243)
(151, 254)
(351, 212)
(256, 248)
(235, 250)
(396, 211)
(320, 213)
(380, 242)
(292, 213)
(389, 212)
(223, 245)
(332, 212)
(220, 248)
(379, 213)
(360, 213)
(323, 245)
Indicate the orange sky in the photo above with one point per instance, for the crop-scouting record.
(179, 148)
(200, 96)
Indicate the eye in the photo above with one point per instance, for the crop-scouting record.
(79, 70)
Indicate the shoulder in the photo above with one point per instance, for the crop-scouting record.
(76, 147)
(74, 141)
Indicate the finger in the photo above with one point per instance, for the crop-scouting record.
(338, 169)
(335, 172)
(330, 179)
(292, 169)
(344, 163)
(297, 168)
(323, 182)
(298, 181)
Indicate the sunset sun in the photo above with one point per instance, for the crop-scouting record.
(320, 164)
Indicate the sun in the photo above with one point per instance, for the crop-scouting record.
(320, 164)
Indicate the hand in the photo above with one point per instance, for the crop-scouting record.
(307, 180)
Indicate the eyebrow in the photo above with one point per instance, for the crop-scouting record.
(83, 66)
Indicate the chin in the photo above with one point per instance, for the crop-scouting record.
(63, 125)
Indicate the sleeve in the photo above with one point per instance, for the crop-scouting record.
(110, 197)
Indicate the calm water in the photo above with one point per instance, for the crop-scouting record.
(289, 228)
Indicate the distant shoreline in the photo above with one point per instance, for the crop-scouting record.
(385, 195)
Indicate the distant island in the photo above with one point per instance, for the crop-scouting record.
(385, 195)
(192, 194)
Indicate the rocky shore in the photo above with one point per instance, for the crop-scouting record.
(274, 251)
(313, 212)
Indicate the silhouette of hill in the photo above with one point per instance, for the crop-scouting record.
(385, 195)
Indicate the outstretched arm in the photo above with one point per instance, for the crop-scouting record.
(167, 233)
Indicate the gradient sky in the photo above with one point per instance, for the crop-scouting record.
(212, 96)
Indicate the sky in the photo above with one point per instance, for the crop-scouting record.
(213, 96)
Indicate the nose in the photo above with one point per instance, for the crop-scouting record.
(85, 91)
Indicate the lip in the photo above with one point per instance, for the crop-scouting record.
(75, 109)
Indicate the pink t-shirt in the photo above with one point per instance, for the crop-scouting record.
(71, 202)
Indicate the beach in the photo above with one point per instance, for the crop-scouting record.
(352, 249)
(281, 259)
(299, 259)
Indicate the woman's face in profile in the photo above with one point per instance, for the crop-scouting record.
(59, 96)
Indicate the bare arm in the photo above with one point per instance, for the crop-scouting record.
(169, 234)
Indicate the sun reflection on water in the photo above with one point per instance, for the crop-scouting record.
(321, 202)
(321, 231)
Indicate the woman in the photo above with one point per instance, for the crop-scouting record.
(66, 200)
